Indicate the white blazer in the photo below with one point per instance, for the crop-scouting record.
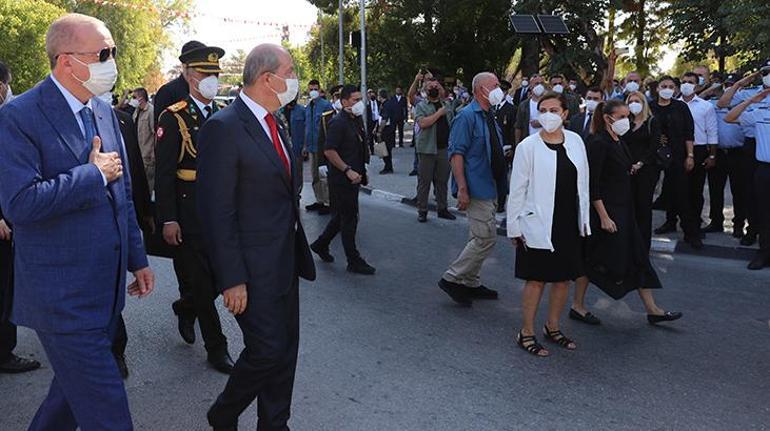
(533, 186)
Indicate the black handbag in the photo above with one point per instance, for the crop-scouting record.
(663, 156)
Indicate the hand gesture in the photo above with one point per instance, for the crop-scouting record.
(419, 77)
(143, 284)
(519, 241)
(353, 176)
(236, 298)
(5, 231)
(762, 95)
(463, 200)
(689, 164)
(609, 225)
(636, 167)
(663, 140)
(172, 233)
(108, 163)
(535, 124)
(746, 80)
(709, 163)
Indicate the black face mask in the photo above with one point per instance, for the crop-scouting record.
(433, 93)
(372, 98)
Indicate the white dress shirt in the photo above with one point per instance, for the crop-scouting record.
(375, 111)
(202, 106)
(260, 113)
(76, 106)
(705, 120)
(533, 115)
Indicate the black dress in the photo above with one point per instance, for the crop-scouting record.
(617, 262)
(643, 144)
(566, 261)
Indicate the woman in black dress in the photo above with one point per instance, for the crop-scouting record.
(617, 260)
(547, 214)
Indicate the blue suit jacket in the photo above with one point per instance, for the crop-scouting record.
(313, 113)
(250, 206)
(74, 238)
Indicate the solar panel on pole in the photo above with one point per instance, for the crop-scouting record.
(525, 24)
(552, 24)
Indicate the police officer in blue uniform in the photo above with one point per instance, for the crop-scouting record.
(753, 114)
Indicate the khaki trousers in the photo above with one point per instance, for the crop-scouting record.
(320, 185)
(466, 269)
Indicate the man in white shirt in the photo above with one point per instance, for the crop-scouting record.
(527, 113)
(706, 140)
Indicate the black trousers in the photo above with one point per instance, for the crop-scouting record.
(7, 329)
(676, 187)
(197, 275)
(643, 189)
(730, 165)
(265, 369)
(344, 206)
(750, 190)
(400, 129)
(185, 305)
(697, 181)
(762, 182)
(370, 135)
(389, 136)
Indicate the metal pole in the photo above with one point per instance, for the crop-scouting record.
(321, 35)
(341, 52)
(363, 61)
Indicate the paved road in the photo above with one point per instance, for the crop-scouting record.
(391, 352)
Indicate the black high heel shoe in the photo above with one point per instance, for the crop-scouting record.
(668, 316)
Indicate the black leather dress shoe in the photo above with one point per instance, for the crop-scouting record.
(585, 318)
(221, 361)
(386, 171)
(760, 261)
(457, 292)
(186, 323)
(713, 228)
(666, 227)
(361, 267)
(749, 239)
(413, 173)
(481, 292)
(314, 207)
(668, 316)
(738, 231)
(422, 216)
(446, 215)
(226, 428)
(695, 243)
(324, 210)
(120, 360)
(322, 252)
(15, 364)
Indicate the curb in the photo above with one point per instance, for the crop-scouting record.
(659, 245)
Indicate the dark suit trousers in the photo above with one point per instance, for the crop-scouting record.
(265, 369)
(676, 188)
(185, 305)
(750, 191)
(697, 182)
(400, 129)
(344, 206)
(389, 136)
(730, 164)
(194, 263)
(87, 390)
(643, 189)
(7, 329)
(762, 182)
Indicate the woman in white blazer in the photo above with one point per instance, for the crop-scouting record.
(548, 213)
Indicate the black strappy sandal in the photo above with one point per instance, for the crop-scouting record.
(530, 344)
(558, 338)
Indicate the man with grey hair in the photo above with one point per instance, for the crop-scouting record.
(248, 197)
(479, 175)
(75, 226)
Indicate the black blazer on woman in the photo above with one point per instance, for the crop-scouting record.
(610, 166)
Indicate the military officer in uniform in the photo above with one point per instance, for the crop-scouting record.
(176, 152)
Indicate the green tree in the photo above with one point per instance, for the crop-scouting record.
(23, 24)
(642, 28)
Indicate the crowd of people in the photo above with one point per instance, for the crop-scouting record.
(216, 189)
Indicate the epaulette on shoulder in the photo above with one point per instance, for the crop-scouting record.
(178, 106)
(329, 112)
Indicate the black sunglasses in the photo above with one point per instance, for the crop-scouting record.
(104, 53)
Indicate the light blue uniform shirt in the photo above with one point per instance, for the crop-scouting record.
(758, 120)
(743, 95)
(730, 134)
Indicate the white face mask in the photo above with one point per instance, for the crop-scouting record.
(558, 88)
(525, 83)
(635, 107)
(107, 97)
(701, 80)
(572, 87)
(591, 105)
(337, 105)
(538, 90)
(358, 108)
(208, 87)
(292, 88)
(134, 103)
(765, 80)
(314, 94)
(647, 94)
(101, 76)
(423, 94)
(666, 93)
(688, 89)
(631, 87)
(621, 127)
(496, 96)
(550, 121)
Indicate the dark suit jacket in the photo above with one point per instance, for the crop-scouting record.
(576, 125)
(170, 93)
(390, 111)
(139, 185)
(401, 113)
(520, 94)
(250, 206)
(74, 238)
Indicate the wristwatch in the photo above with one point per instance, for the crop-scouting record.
(712, 157)
(347, 168)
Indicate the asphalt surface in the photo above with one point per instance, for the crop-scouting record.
(392, 352)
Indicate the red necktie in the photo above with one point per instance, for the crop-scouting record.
(277, 141)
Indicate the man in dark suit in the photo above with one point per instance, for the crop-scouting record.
(372, 118)
(75, 228)
(580, 122)
(174, 90)
(401, 114)
(522, 92)
(388, 125)
(248, 197)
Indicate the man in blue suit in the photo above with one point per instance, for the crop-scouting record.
(248, 196)
(314, 111)
(62, 186)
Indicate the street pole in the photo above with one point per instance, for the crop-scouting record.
(363, 61)
(321, 35)
(341, 53)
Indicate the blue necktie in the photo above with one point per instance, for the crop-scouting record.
(89, 125)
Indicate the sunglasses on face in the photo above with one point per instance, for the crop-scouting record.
(104, 54)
